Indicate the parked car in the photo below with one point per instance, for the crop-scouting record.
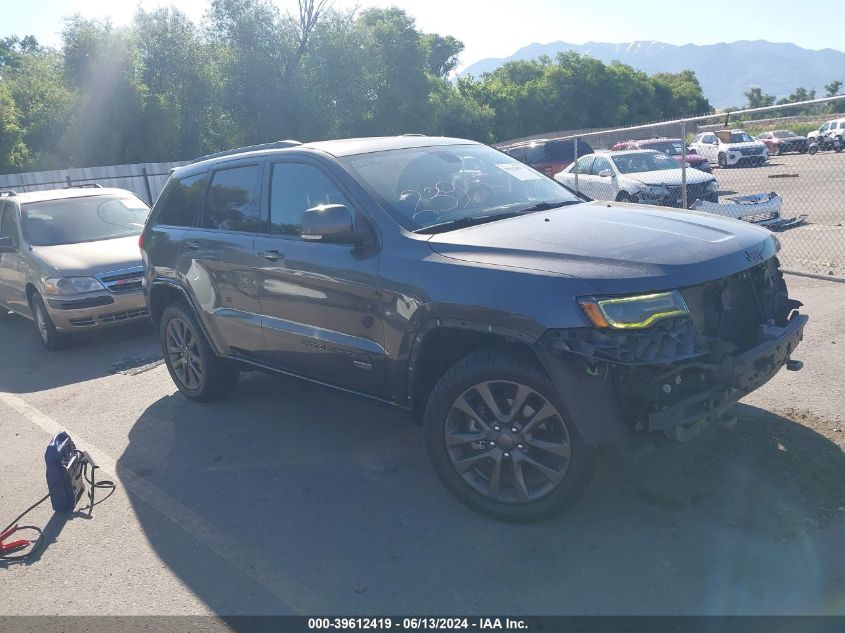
(548, 156)
(527, 330)
(646, 176)
(782, 141)
(674, 147)
(729, 148)
(69, 259)
(834, 129)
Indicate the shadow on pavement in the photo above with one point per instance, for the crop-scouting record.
(290, 498)
(29, 367)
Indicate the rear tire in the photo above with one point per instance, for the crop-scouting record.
(522, 464)
(196, 370)
(49, 336)
(723, 160)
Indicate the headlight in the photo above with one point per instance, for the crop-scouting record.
(638, 311)
(71, 285)
(712, 186)
(655, 190)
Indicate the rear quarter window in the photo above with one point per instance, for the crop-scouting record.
(178, 203)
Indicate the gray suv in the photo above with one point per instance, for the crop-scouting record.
(69, 259)
(528, 326)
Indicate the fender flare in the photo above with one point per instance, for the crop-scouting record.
(419, 336)
(159, 281)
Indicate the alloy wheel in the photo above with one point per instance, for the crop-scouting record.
(508, 442)
(183, 353)
(41, 322)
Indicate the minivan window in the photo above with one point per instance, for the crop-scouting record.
(9, 224)
(84, 219)
(231, 203)
(294, 189)
(177, 204)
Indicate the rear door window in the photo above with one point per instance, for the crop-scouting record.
(584, 164)
(232, 201)
(599, 166)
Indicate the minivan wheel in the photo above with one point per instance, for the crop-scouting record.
(723, 161)
(197, 371)
(499, 438)
(50, 337)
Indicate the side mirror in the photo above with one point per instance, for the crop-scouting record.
(605, 173)
(329, 223)
(691, 151)
(7, 245)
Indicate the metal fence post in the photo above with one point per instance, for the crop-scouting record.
(68, 181)
(684, 164)
(147, 186)
(575, 169)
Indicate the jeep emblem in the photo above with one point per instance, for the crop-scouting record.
(754, 255)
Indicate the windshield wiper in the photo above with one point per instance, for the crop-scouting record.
(461, 223)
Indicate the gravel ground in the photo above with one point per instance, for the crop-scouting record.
(809, 185)
(289, 498)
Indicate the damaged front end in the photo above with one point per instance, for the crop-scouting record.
(681, 373)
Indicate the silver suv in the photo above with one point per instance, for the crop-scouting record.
(69, 259)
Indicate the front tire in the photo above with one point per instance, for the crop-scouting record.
(194, 367)
(723, 161)
(500, 440)
(49, 336)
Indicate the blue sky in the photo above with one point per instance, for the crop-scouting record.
(498, 28)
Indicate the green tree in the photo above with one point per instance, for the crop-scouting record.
(13, 151)
(757, 99)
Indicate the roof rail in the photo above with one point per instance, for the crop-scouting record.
(413, 134)
(8, 193)
(248, 148)
(85, 185)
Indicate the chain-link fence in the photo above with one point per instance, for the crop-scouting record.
(782, 167)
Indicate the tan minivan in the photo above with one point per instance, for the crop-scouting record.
(69, 259)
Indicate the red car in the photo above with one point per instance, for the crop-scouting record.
(781, 141)
(671, 146)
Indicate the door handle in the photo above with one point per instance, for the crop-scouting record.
(192, 244)
(271, 255)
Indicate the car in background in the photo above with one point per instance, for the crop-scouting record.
(70, 261)
(548, 156)
(730, 148)
(834, 129)
(674, 147)
(646, 176)
(783, 141)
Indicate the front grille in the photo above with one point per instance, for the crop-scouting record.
(748, 151)
(694, 192)
(761, 217)
(732, 310)
(126, 315)
(123, 281)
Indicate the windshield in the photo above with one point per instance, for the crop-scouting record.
(645, 161)
(735, 137)
(425, 186)
(87, 219)
(673, 148)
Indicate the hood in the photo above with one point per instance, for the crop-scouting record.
(91, 258)
(669, 177)
(691, 159)
(745, 145)
(618, 248)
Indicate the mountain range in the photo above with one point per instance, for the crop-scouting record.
(725, 71)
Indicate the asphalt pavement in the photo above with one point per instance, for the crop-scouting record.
(289, 498)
